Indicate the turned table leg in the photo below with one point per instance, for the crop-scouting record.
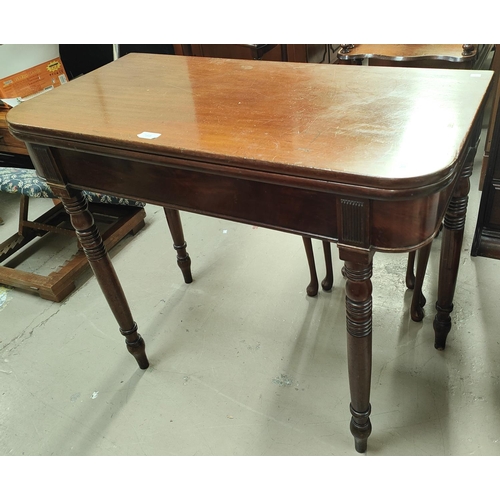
(358, 272)
(454, 223)
(183, 259)
(92, 244)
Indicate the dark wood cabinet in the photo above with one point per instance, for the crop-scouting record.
(8, 143)
(494, 103)
(13, 152)
(487, 235)
(311, 53)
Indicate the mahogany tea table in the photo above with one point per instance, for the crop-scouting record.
(371, 159)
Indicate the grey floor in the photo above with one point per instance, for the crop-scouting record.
(242, 361)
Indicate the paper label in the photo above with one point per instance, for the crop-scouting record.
(148, 135)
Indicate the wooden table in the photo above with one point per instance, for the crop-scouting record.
(369, 158)
(462, 56)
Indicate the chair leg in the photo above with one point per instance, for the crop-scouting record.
(418, 299)
(327, 283)
(413, 282)
(24, 234)
(312, 288)
(23, 214)
(410, 276)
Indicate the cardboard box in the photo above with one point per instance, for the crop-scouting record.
(29, 70)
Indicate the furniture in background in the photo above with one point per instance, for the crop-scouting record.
(116, 217)
(457, 56)
(308, 53)
(494, 103)
(13, 153)
(486, 241)
(223, 145)
(80, 59)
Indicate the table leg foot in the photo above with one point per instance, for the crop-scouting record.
(442, 326)
(184, 262)
(136, 347)
(183, 259)
(361, 428)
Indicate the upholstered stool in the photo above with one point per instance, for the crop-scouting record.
(119, 216)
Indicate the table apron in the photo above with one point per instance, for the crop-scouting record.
(297, 206)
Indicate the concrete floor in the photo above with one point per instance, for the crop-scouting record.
(242, 361)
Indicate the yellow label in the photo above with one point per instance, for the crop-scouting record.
(53, 66)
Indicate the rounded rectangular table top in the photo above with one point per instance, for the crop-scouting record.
(384, 127)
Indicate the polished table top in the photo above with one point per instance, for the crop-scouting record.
(369, 158)
(358, 125)
(410, 52)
